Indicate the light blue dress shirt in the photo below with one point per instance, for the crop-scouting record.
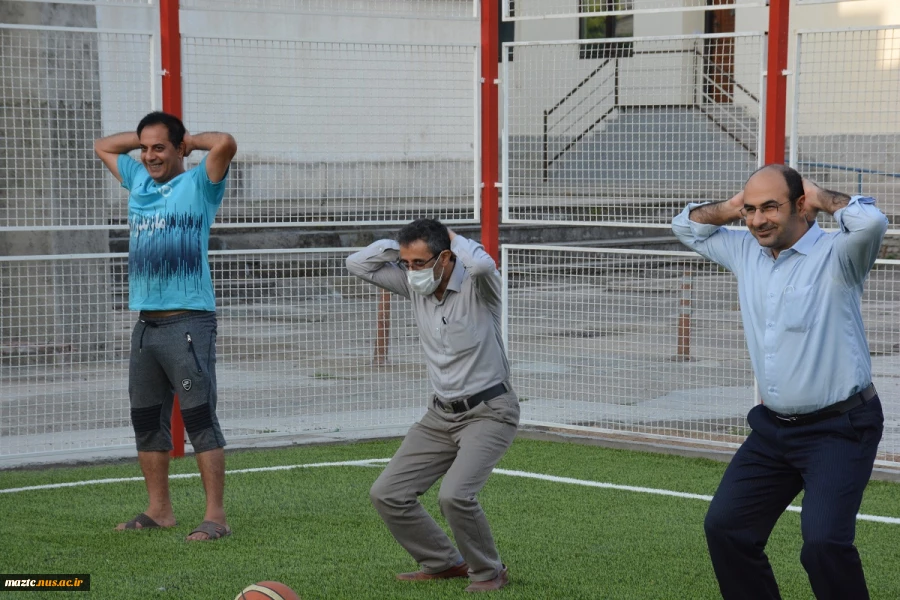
(801, 311)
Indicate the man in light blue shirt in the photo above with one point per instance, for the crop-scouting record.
(820, 420)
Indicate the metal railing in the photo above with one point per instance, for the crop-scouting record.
(548, 161)
(650, 344)
(709, 86)
(860, 171)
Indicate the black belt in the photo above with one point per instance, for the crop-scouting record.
(460, 406)
(838, 408)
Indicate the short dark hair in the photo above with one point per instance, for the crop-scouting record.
(173, 125)
(431, 231)
(792, 178)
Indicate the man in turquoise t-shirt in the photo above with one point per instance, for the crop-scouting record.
(173, 345)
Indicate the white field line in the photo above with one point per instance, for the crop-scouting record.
(369, 462)
(372, 462)
(658, 492)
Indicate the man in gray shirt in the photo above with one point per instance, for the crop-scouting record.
(472, 417)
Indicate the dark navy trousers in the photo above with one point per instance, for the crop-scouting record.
(831, 461)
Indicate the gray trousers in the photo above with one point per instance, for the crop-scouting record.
(172, 355)
(464, 448)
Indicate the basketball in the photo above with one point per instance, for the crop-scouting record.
(267, 590)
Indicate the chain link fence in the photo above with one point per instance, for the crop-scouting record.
(624, 131)
(650, 344)
(846, 120)
(514, 10)
(299, 350)
(645, 344)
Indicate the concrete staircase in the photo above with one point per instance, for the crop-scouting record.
(658, 149)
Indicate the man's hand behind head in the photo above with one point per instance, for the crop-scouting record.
(188, 144)
(811, 205)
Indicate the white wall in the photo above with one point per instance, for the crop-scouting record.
(847, 114)
(838, 112)
(350, 94)
(645, 79)
(668, 23)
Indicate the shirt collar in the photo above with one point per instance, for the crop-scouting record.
(805, 244)
(456, 278)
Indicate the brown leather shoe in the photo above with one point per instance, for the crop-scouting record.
(491, 584)
(460, 570)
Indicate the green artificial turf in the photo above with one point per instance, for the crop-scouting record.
(314, 530)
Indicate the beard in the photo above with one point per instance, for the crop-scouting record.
(766, 235)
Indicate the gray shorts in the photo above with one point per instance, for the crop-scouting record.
(174, 355)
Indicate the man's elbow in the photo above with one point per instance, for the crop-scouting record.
(483, 268)
(229, 146)
(875, 227)
(683, 233)
(354, 267)
(882, 225)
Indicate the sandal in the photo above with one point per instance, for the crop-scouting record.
(144, 521)
(213, 530)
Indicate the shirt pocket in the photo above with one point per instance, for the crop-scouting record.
(799, 309)
(460, 337)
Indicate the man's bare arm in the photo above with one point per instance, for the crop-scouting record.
(719, 213)
(222, 148)
(109, 148)
(819, 199)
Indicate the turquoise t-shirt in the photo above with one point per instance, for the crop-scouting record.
(168, 268)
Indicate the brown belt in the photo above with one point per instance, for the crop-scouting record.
(162, 314)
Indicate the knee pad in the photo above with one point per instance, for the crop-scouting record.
(147, 419)
(197, 419)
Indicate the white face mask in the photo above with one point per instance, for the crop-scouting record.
(423, 282)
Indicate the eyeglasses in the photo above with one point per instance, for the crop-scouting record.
(768, 209)
(417, 264)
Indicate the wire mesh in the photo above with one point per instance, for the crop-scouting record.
(301, 347)
(801, 2)
(538, 9)
(299, 350)
(60, 90)
(626, 130)
(629, 341)
(881, 316)
(644, 343)
(332, 133)
(651, 344)
(846, 122)
(129, 3)
(419, 9)
(60, 364)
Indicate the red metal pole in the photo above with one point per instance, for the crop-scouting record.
(170, 45)
(382, 329)
(170, 55)
(776, 81)
(683, 351)
(490, 118)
